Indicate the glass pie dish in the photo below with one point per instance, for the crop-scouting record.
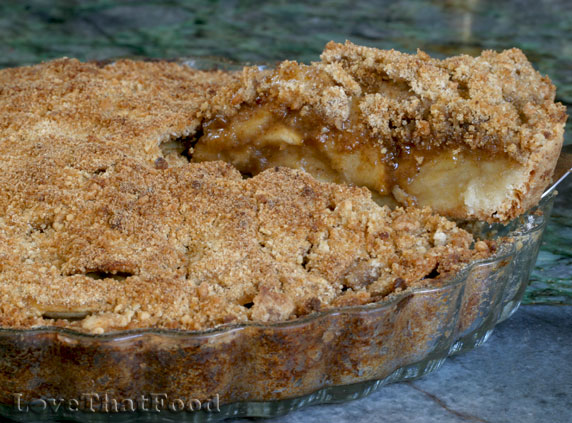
(265, 370)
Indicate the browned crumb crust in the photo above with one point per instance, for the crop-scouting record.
(105, 113)
(496, 102)
(97, 220)
(197, 246)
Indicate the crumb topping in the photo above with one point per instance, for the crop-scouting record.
(197, 246)
(105, 224)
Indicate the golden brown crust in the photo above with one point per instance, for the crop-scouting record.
(190, 246)
(93, 226)
(99, 220)
(126, 104)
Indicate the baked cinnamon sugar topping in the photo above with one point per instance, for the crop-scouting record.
(114, 216)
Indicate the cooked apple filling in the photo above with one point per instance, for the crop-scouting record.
(454, 181)
(262, 137)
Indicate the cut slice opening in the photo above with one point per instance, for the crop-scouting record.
(263, 136)
(455, 181)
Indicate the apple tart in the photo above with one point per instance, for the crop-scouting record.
(149, 194)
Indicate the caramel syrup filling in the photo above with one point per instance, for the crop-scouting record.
(451, 181)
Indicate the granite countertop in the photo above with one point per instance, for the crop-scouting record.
(523, 373)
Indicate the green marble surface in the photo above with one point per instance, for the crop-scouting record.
(255, 31)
